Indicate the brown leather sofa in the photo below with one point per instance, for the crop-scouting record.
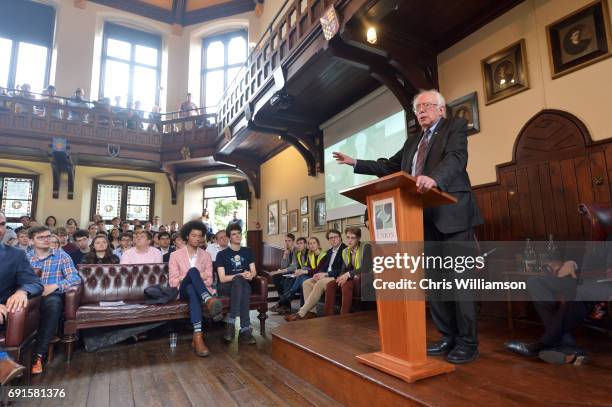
(127, 283)
(19, 334)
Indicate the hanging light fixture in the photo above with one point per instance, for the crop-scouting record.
(371, 36)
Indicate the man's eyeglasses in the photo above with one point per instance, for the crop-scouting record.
(2, 223)
(424, 106)
(47, 237)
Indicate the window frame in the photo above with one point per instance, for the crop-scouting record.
(225, 39)
(125, 37)
(123, 209)
(34, 178)
(12, 73)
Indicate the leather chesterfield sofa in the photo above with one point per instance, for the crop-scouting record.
(127, 283)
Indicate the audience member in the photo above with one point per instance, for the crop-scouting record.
(116, 223)
(18, 282)
(356, 259)
(126, 244)
(51, 222)
(114, 237)
(221, 244)
(125, 227)
(179, 243)
(236, 220)
(10, 238)
(142, 252)
(62, 235)
(165, 246)
(100, 252)
(174, 227)
(23, 240)
(236, 268)
(78, 101)
(313, 257)
(155, 119)
(73, 222)
(148, 226)
(288, 264)
(57, 274)
(101, 225)
(25, 223)
(81, 238)
(92, 230)
(52, 99)
(54, 242)
(156, 224)
(314, 287)
(190, 270)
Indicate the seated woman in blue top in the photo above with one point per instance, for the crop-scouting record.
(313, 261)
(236, 268)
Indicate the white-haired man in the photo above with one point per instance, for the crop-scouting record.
(437, 156)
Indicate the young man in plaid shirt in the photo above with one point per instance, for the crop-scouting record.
(58, 273)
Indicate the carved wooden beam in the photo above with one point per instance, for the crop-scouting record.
(172, 180)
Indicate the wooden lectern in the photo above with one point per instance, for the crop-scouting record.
(401, 323)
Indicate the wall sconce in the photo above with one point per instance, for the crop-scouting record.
(371, 36)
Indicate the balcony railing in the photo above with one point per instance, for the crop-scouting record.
(290, 26)
(92, 120)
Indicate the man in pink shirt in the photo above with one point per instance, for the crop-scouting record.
(142, 252)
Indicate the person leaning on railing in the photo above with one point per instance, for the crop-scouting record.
(52, 99)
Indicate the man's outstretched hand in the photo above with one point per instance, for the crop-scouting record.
(342, 158)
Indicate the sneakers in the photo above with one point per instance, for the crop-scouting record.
(246, 337)
(228, 336)
(214, 308)
(37, 365)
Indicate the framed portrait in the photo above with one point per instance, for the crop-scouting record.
(466, 107)
(355, 221)
(505, 72)
(283, 224)
(283, 207)
(579, 39)
(319, 213)
(293, 221)
(335, 224)
(304, 226)
(304, 205)
(273, 218)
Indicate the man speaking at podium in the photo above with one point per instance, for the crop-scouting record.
(437, 156)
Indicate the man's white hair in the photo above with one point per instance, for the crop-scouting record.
(439, 99)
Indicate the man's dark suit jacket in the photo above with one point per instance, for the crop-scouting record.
(446, 163)
(336, 265)
(16, 273)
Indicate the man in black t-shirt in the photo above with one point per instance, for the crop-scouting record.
(236, 268)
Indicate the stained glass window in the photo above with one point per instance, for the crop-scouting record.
(17, 193)
(126, 201)
(138, 202)
(108, 201)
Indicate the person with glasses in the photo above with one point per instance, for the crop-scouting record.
(18, 282)
(62, 235)
(126, 242)
(57, 275)
(329, 270)
(437, 157)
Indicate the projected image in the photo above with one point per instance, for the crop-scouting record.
(383, 139)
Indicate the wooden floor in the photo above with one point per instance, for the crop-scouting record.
(148, 374)
(322, 351)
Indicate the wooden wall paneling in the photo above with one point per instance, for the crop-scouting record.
(547, 199)
(535, 198)
(570, 196)
(488, 214)
(558, 198)
(599, 174)
(609, 164)
(504, 214)
(508, 180)
(522, 183)
(584, 182)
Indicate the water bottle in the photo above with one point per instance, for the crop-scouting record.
(529, 256)
(173, 340)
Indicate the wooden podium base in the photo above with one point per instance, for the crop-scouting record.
(406, 371)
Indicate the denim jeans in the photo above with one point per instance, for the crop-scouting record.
(51, 310)
(191, 288)
(239, 291)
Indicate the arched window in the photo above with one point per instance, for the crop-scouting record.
(26, 39)
(222, 57)
(131, 61)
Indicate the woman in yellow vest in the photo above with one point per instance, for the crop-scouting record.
(308, 262)
(356, 259)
